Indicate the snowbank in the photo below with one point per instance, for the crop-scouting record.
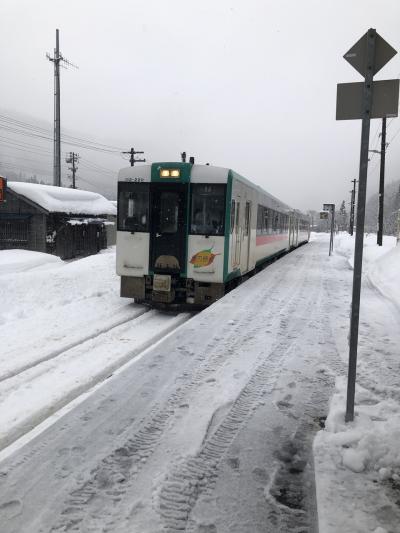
(64, 200)
(385, 275)
(344, 245)
(357, 464)
(14, 261)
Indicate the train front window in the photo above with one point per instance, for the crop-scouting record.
(208, 210)
(133, 207)
(169, 211)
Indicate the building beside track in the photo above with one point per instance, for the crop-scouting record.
(56, 220)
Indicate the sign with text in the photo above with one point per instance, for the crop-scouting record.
(357, 55)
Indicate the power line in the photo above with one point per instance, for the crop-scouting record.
(37, 129)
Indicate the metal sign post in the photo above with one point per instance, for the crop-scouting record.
(367, 56)
(330, 208)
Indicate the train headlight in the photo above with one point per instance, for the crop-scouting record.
(170, 173)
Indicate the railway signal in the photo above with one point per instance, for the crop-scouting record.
(364, 101)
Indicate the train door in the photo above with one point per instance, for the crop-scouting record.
(237, 238)
(168, 227)
(246, 238)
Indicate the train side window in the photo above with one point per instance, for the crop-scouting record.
(133, 207)
(233, 211)
(237, 215)
(265, 229)
(247, 219)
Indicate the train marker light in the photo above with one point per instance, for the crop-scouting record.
(175, 173)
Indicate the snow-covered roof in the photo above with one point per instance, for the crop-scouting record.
(63, 200)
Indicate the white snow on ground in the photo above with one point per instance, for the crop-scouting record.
(13, 261)
(63, 328)
(210, 408)
(358, 464)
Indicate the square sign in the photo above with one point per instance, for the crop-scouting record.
(323, 215)
(385, 100)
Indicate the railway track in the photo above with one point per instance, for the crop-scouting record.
(52, 354)
(46, 386)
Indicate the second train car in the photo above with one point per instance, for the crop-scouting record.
(186, 233)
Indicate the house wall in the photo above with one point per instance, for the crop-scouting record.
(17, 215)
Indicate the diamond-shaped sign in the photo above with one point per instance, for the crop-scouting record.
(357, 55)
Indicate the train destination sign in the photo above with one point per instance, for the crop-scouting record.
(357, 55)
(385, 100)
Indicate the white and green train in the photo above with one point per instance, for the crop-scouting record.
(187, 233)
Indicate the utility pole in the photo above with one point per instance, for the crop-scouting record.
(132, 159)
(72, 159)
(57, 60)
(382, 183)
(352, 205)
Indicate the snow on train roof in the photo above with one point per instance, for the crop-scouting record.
(64, 200)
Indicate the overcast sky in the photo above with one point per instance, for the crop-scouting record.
(247, 85)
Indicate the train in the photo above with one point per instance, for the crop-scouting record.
(188, 233)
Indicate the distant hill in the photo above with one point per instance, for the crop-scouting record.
(390, 209)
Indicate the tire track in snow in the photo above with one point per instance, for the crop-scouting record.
(197, 475)
(94, 505)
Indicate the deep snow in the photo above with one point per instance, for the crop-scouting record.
(211, 429)
(358, 464)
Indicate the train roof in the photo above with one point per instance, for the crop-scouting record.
(198, 174)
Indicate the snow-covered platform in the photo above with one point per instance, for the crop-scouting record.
(211, 429)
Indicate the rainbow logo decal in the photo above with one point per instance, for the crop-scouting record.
(203, 258)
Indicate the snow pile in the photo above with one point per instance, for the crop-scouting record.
(344, 245)
(370, 443)
(14, 261)
(357, 464)
(385, 275)
(64, 200)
